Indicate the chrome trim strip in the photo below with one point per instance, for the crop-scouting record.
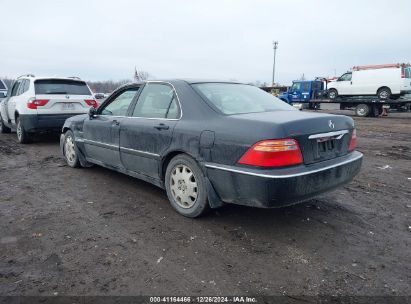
(282, 176)
(79, 139)
(100, 143)
(117, 147)
(329, 134)
(138, 151)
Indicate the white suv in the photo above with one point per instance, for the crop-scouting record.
(38, 104)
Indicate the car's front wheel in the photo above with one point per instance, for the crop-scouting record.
(22, 135)
(186, 186)
(332, 94)
(70, 150)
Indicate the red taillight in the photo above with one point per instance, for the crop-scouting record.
(34, 103)
(91, 103)
(402, 73)
(353, 141)
(273, 153)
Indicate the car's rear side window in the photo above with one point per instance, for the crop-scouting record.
(231, 98)
(2, 86)
(61, 86)
(157, 101)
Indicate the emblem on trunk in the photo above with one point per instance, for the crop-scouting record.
(67, 97)
(331, 124)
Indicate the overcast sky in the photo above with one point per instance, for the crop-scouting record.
(225, 39)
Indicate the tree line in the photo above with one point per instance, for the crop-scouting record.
(105, 86)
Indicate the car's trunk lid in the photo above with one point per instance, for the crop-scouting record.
(63, 96)
(60, 104)
(320, 136)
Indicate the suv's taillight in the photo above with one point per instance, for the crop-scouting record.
(402, 73)
(353, 141)
(91, 103)
(273, 153)
(34, 103)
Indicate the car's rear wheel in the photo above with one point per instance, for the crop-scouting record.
(362, 110)
(3, 127)
(22, 135)
(186, 186)
(384, 93)
(70, 150)
(332, 94)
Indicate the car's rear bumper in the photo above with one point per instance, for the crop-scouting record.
(44, 122)
(281, 187)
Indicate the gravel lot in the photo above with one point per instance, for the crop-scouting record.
(97, 232)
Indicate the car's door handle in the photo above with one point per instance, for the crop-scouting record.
(116, 122)
(162, 127)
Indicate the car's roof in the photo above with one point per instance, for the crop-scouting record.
(187, 80)
(50, 77)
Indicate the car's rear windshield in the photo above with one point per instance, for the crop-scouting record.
(2, 86)
(61, 86)
(231, 98)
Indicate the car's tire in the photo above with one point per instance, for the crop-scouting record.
(186, 186)
(22, 135)
(3, 127)
(332, 94)
(70, 150)
(384, 93)
(362, 110)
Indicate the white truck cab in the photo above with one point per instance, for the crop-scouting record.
(37, 104)
(386, 81)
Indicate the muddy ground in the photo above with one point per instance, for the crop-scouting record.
(97, 232)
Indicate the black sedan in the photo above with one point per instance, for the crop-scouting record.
(211, 143)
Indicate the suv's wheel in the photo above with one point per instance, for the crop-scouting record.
(186, 186)
(384, 93)
(22, 135)
(3, 127)
(362, 110)
(332, 94)
(70, 150)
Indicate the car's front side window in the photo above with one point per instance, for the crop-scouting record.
(120, 104)
(345, 77)
(157, 101)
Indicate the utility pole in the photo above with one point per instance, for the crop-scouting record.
(275, 46)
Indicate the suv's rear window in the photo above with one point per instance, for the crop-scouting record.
(2, 86)
(61, 86)
(231, 98)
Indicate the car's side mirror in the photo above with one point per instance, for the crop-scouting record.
(92, 112)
